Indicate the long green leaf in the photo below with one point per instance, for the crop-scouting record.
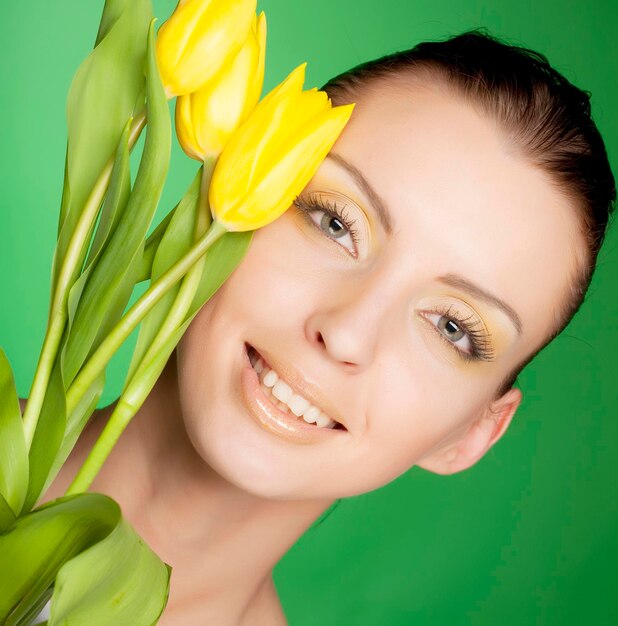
(112, 11)
(111, 282)
(13, 451)
(54, 438)
(151, 246)
(47, 436)
(75, 424)
(174, 243)
(102, 96)
(33, 610)
(120, 580)
(116, 198)
(33, 550)
(65, 202)
(7, 517)
(115, 204)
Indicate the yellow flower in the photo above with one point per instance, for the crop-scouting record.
(199, 38)
(274, 154)
(207, 118)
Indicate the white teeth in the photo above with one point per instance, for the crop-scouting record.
(298, 405)
(270, 378)
(285, 398)
(311, 415)
(282, 391)
(323, 420)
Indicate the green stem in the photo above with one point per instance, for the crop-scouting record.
(137, 389)
(98, 361)
(191, 281)
(58, 310)
(135, 392)
(123, 412)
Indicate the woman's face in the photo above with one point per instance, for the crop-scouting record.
(460, 256)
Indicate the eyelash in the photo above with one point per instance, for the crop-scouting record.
(479, 339)
(317, 203)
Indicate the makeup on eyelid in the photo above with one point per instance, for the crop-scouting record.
(352, 220)
(499, 329)
(477, 343)
(334, 179)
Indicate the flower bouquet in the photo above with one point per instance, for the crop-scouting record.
(255, 157)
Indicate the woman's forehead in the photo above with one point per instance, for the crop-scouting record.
(461, 199)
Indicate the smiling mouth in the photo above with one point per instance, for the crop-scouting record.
(291, 402)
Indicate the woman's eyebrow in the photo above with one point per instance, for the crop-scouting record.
(454, 280)
(459, 282)
(370, 192)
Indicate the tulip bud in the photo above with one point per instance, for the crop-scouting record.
(207, 118)
(199, 38)
(274, 153)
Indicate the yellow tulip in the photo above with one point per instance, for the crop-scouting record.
(199, 38)
(274, 154)
(207, 118)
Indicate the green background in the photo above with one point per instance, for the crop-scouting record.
(529, 535)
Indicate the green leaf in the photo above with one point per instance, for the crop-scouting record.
(75, 424)
(53, 436)
(33, 610)
(102, 97)
(113, 276)
(33, 550)
(152, 245)
(13, 451)
(221, 260)
(65, 203)
(120, 580)
(116, 198)
(7, 517)
(112, 11)
(79, 343)
(47, 436)
(174, 243)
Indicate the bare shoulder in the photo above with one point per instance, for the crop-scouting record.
(266, 609)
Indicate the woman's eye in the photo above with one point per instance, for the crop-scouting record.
(470, 339)
(335, 228)
(453, 332)
(331, 221)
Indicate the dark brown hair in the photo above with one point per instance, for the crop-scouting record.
(546, 118)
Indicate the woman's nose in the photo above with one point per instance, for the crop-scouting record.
(348, 327)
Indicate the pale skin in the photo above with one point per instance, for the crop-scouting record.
(221, 499)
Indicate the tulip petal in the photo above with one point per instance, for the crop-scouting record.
(199, 39)
(290, 174)
(184, 127)
(255, 91)
(237, 165)
(174, 34)
(219, 110)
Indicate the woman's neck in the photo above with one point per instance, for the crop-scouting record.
(222, 542)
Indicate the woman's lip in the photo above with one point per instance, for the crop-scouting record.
(299, 385)
(273, 419)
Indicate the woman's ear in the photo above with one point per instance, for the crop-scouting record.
(477, 439)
